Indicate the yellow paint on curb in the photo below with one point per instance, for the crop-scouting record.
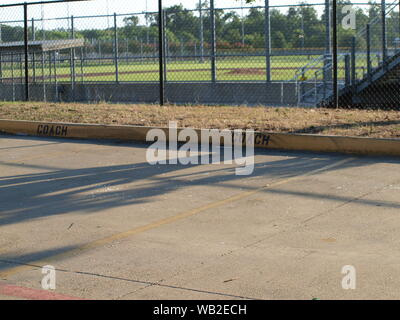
(297, 142)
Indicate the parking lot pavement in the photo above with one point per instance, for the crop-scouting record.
(115, 227)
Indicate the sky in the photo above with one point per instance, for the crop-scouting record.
(104, 7)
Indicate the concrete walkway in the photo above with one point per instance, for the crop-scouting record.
(115, 227)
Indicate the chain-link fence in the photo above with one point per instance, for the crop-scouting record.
(374, 55)
(213, 52)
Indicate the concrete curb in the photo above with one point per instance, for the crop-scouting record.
(298, 142)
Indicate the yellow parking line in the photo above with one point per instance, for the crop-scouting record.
(123, 235)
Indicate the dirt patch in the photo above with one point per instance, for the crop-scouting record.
(361, 123)
(247, 71)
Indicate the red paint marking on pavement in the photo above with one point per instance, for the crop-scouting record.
(32, 294)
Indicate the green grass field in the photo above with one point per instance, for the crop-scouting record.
(250, 68)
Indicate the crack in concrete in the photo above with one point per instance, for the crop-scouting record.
(148, 283)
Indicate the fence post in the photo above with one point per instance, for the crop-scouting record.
(384, 37)
(116, 48)
(1, 59)
(141, 50)
(182, 48)
(33, 53)
(161, 51)
(1, 68)
(55, 54)
(335, 54)
(33, 30)
(155, 49)
(21, 68)
(268, 40)
(26, 51)
(369, 67)
(50, 67)
(213, 43)
(44, 78)
(328, 26)
(353, 60)
(201, 32)
(82, 67)
(127, 50)
(328, 44)
(347, 70)
(73, 73)
(166, 44)
(12, 75)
